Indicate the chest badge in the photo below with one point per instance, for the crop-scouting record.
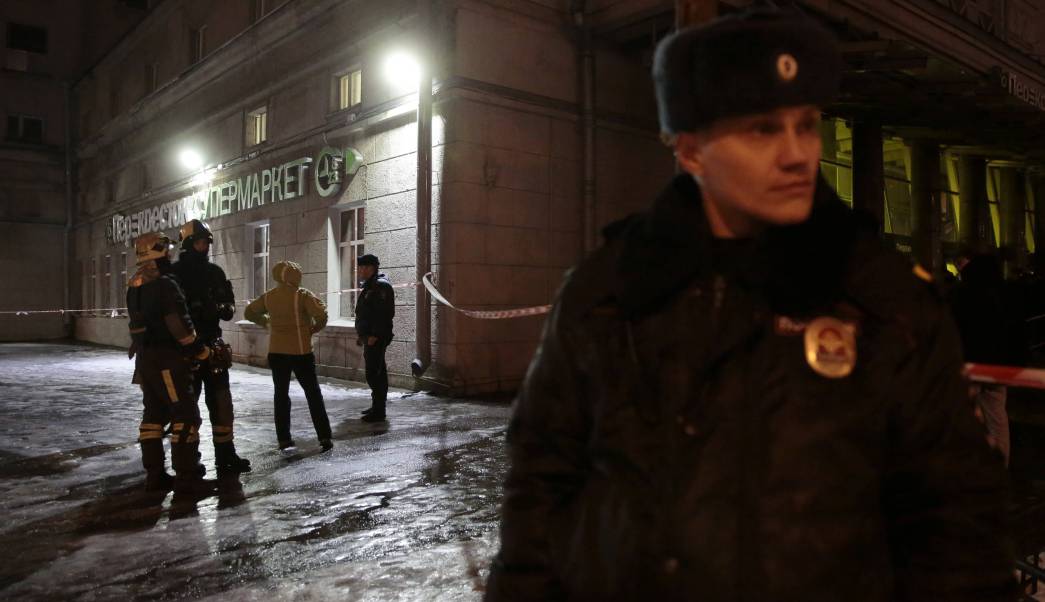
(830, 347)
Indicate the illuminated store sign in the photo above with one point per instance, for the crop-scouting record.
(1024, 90)
(283, 182)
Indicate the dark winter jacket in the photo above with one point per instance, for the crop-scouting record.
(375, 309)
(989, 326)
(671, 442)
(207, 291)
(158, 314)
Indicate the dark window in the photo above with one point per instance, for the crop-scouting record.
(136, 4)
(25, 129)
(27, 37)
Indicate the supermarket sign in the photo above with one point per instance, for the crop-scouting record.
(279, 183)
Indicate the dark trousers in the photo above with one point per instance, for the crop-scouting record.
(168, 396)
(304, 369)
(376, 375)
(218, 397)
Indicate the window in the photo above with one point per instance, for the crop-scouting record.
(121, 286)
(24, 128)
(257, 10)
(106, 287)
(257, 126)
(350, 89)
(199, 44)
(152, 71)
(260, 268)
(27, 37)
(351, 227)
(92, 268)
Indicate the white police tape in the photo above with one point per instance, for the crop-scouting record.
(116, 312)
(500, 314)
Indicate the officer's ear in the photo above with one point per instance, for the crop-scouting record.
(688, 147)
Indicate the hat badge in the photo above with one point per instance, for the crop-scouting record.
(786, 67)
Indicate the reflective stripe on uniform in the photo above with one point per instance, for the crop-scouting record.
(179, 434)
(137, 330)
(221, 434)
(148, 431)
(167, 380)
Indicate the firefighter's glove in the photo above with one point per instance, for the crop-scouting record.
(220, 356)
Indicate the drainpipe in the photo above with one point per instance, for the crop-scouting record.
(67, 239)
(422, 306)
(587, 65)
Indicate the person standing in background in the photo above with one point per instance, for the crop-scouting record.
(292, 314)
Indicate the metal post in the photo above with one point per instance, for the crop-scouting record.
(422, 305)
(925, 205)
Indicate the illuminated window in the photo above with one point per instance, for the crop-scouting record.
(350, 89)
(257, 126)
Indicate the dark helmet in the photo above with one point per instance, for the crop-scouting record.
(192, 231)
(154, 245)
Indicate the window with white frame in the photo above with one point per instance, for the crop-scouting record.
(106, 288)
(351, 227)
(121, 286)
(256, 126)
(349, 89)
(92, 275)
(259, 272)
(199, 44)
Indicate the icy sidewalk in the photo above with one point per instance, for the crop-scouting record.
(400, 511)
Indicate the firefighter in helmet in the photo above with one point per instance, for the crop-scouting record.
(166, 348)
(210, 299)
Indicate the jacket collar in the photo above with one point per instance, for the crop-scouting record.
(799, 269)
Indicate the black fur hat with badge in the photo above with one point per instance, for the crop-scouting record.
(750, 62)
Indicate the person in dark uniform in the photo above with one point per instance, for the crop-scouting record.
(741, 395)
(374, 312)
(166, 351)
(210, 298)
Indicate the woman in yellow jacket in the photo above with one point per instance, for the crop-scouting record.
(292, 315)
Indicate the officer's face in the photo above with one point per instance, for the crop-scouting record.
(755, 170)
(366, 271)
(201, 245)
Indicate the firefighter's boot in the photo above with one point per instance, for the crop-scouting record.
(156, 477)
(188, 479)
(227, 461)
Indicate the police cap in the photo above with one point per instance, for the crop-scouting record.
(368, 259)
(744, 63)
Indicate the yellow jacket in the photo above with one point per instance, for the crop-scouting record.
(291, 313)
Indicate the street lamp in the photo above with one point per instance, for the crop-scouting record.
(402, 71)
(190, 159)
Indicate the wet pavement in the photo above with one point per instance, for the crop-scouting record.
(403, 510)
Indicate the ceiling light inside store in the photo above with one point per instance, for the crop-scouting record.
(190, 159)
(402, 71)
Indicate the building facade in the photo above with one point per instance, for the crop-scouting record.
(292, 128)
(43, 50)
(305, 137)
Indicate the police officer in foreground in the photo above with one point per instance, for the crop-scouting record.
(374, 312)
(740, 395)
(210, 299)
(167, 350)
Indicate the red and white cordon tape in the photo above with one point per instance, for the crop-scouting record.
(499, 314)
(1010, 376)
